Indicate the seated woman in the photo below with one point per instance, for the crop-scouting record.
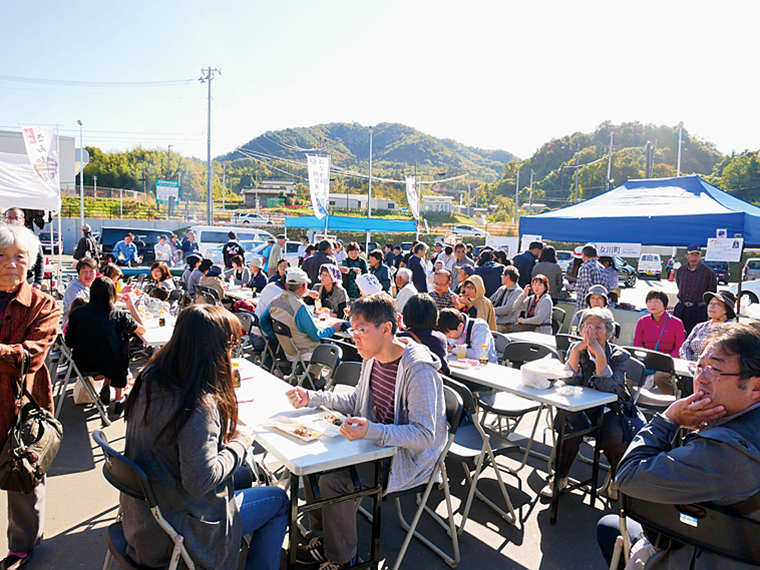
(537, 304)
(258, 279)
(213, 279)
(596, 298)
(182, 429)
(420, 319)
(720, 310)
(160, 275)
(662, 332)
(330, 291)
(473, 301)
(239, 271)
(192, 260)
(282, 267)
(98, 335)
(113, 272)
(600, 365)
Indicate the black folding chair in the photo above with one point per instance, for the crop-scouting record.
(500, 342)
(285, 336)
(322, 365)
(131, 480)
(519, 352)
(350, 353)
(558, 319)
(346, 375)
(657, 361)
(564, 342)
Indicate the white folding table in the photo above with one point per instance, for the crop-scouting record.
(262, 397)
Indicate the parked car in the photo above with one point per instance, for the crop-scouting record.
(463, 230)
(406, 247)
(45, 240)
(249, 219)
(256, 249)
(750, 292)
(751, 269)
(565, 260)
(210, 237)
(145, 239)
(721, 270)
(650, 265)
(626, 272)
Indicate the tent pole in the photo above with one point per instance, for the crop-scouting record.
(60, 235)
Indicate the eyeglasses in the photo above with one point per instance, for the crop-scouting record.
(708, 373)
(354, 332)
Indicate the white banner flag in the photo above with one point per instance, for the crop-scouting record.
(412, 197)
(43, 155)
(319, 184)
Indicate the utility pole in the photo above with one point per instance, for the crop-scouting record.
(224, 183)
(609, 161)
(369, 201)
(208, 78)
(577, 167)
(530, 200)
(680, 133)
(81, 176)
(517, 190)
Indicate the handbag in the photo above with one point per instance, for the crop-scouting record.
(32, 443)
(631, 419)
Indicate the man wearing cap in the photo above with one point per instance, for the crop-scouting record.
(526, 260)
(288, 309)
(693, 280)
(463, 272)
(590, 273)
(312, 265)
(87, 246)
(720, 310)
(276, 254)
(162, 250)
(231, 249)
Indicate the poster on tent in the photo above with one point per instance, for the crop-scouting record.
(620, 249)
(319, 184)
(412, 197)
(724, 249)
(32, 180)
(526, 239)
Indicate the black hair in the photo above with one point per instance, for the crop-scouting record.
(102, 294)
(513, 272)
(375, 309)
(232, 235)
(421, 312)
(419, 247)
(589, 251)
(205, 265)
(193, 260)
(548, 254)
(86, 262)
(535, 245)
(377, 254)
(449, 320)
(742, 341)
(324, 245)
(658, 295)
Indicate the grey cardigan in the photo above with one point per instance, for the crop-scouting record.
(542, 319)
(419, 430)
(192, 480)
(503, 301)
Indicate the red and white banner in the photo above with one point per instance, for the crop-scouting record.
(319, 184)
(412, 197)
(32, 181)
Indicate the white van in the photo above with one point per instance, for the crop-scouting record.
(210, 237)
(650, 265)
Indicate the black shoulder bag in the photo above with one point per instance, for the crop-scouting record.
(32, 443)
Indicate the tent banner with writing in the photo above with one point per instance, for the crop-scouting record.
(32, 181)
(319, 183)
(42, 151)
(412, 197)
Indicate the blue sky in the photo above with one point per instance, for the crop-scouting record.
(501, 74)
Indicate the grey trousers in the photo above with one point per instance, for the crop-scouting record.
(26, 518)
(338, 521)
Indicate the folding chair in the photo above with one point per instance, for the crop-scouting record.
(131, 480)
(519, 352)
(564, 342)
(323, 363)
(209, 294)
(481, 445)
(68, 360)
(346, 377)
(647, 399)
(454, 411)
(267, 352)
(246, 321)
(558, 319)
(500, 342)
(350, 353)
(716, 529)
(285, 336)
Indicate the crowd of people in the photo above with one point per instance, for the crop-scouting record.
(181, 411)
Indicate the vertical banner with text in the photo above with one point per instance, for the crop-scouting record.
(42, 151)
(412, 197)
(319, 184)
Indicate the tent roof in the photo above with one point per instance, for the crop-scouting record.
(346, 224)
(661, 211)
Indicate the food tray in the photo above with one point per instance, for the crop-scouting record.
(296, 429)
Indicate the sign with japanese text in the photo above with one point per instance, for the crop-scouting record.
(724, 249)
(319, 183)
(42, 151)
(412, 197)
(619, 249)
(166, 189)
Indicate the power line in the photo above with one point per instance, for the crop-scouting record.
(96, 83)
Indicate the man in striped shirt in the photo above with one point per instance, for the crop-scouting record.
(398, 402)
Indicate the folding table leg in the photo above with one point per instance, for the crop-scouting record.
(561, 416)
(293, 527)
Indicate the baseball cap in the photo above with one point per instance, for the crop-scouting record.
(694, 248)
(215, 271)
(468, 269)
(439, 244)
(281, 236)
(295, 276)
(368, 284)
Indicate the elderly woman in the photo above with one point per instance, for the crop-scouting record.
(258, 279)
(537, 305)
(80, 285)
(720, 310)
(330, 291)
(29, 322)
(600, 365)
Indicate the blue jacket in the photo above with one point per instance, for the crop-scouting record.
(383, 275)
(490, 272)
(524, 263)
(419, 278)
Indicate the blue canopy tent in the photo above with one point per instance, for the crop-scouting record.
(661, 211)
(346, 224)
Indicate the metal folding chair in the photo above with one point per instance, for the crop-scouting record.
(500, 342)
(131, 480)
(285, 336)
(68, 360)
(323, 363)
(558, 319)
(346, 377)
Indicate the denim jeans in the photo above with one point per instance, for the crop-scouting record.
(264, 512)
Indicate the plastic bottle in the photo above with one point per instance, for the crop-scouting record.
(236, 376)
(484, 355)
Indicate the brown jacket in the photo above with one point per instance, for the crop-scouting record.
(31, 322)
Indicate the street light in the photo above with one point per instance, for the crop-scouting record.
(680, 133)
(81, 176)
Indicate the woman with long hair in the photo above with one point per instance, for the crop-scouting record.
(182, 430)
(99, 334)
(537, 305)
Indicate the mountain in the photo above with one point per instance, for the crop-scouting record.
(395, 148)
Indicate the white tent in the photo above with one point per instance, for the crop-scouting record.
(32, 180)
